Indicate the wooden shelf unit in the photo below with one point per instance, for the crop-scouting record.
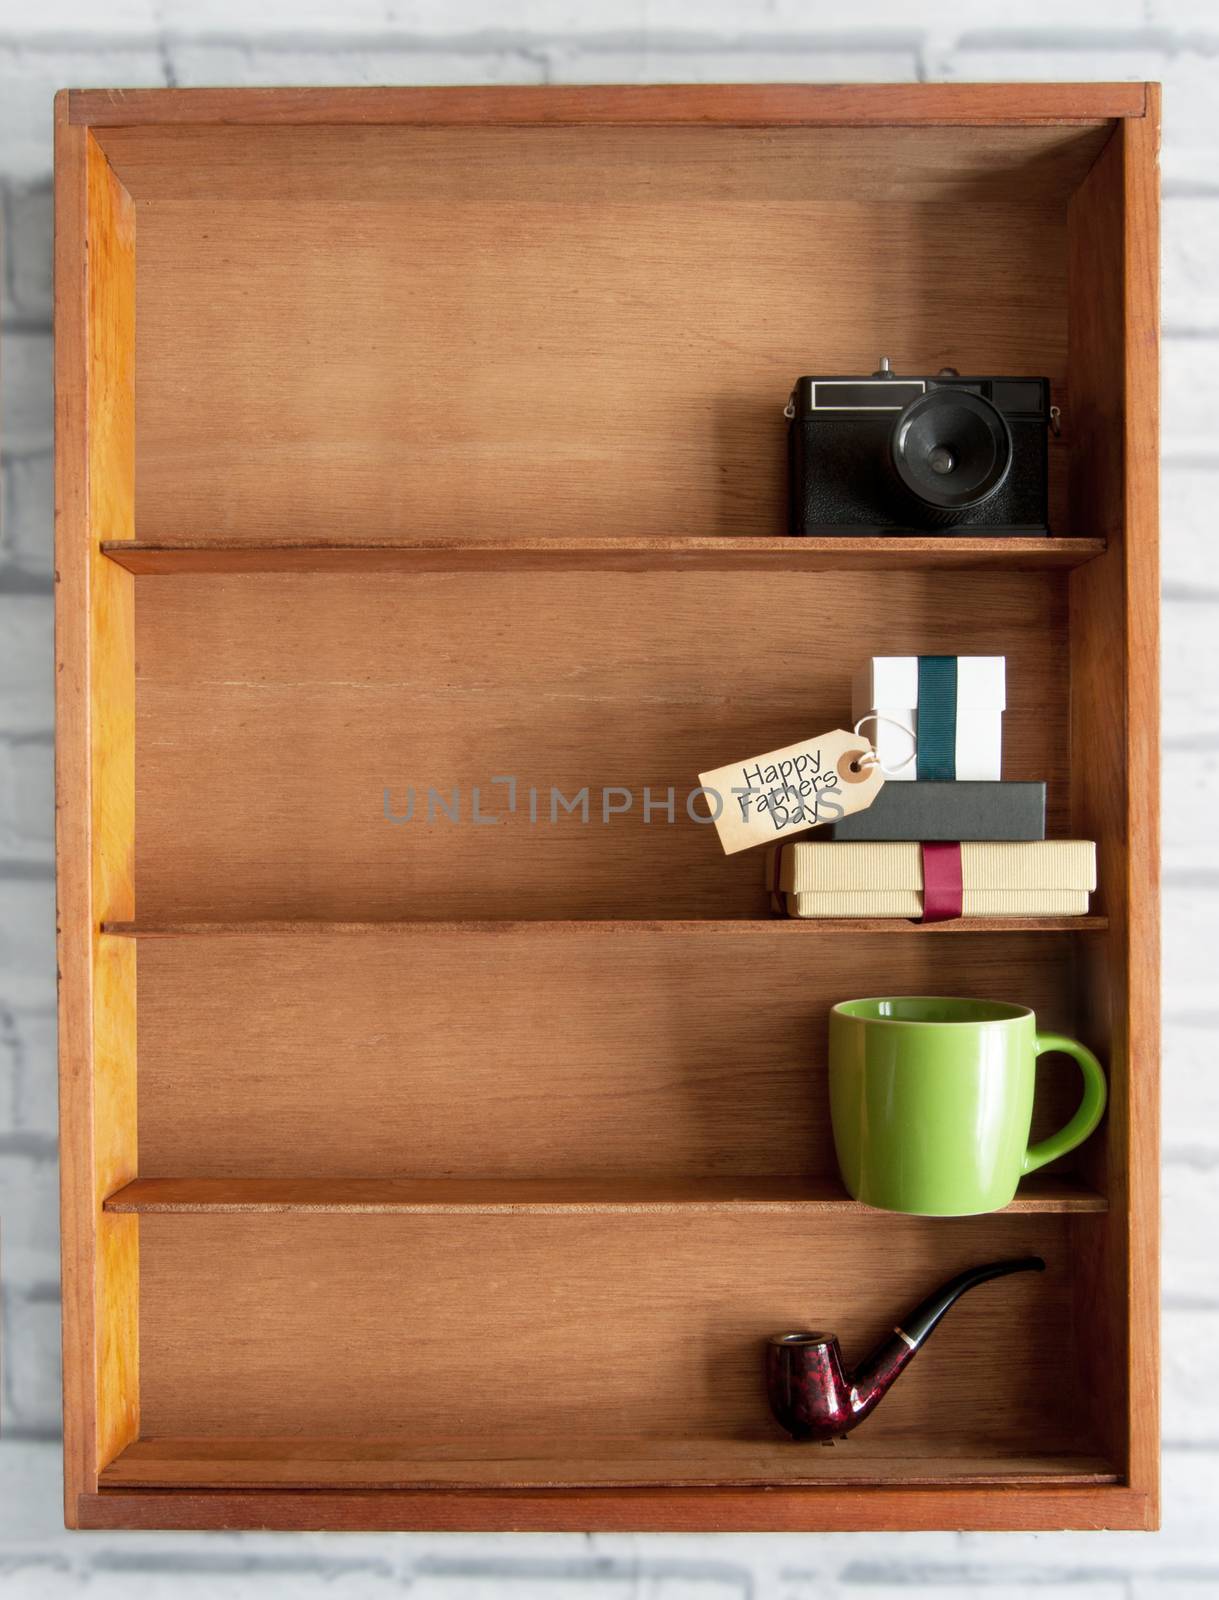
(462, 1169)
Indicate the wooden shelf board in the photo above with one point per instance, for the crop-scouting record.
(565, 928)
(766, 1459)
(149, 557)
(553, 1197)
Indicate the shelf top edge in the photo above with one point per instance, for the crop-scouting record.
(511, 1197)
(151, 557)
(762, 105)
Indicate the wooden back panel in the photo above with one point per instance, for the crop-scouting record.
(503, 332)
(275, 710)
(628, 1327)
(530, 1055)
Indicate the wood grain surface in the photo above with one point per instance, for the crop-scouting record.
(587, 376)
(1114, 281)
(604, 554)
(1040, 166)
(531, 1057)
(110, 279)
(280, 718)
(629, 1328)
(982, 105)
(95, 794)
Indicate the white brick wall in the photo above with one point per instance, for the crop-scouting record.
(131, 42)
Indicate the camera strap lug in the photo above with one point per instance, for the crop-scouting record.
(1056, 421)
(789, 410)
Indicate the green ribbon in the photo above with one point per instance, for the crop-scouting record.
(937, 717)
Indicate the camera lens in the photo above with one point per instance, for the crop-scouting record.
(951, 450)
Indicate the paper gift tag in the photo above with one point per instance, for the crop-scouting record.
(786, 791)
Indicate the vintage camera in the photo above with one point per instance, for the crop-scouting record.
(884, 454)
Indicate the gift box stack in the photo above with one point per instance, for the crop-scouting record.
(945, 837)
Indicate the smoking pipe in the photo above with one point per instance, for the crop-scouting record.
(814, 1397)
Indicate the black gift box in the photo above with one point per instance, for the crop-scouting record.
(928, 810)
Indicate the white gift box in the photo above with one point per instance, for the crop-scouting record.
(886, 688)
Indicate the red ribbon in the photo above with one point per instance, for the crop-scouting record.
(942, 893)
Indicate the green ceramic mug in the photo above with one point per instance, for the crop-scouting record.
(932, 1102)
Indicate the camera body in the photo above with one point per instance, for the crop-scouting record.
(883, 454)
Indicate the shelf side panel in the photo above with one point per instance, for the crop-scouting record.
(1113, 234)
(95, 797)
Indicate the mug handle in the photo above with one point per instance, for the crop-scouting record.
(1089, 1111)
